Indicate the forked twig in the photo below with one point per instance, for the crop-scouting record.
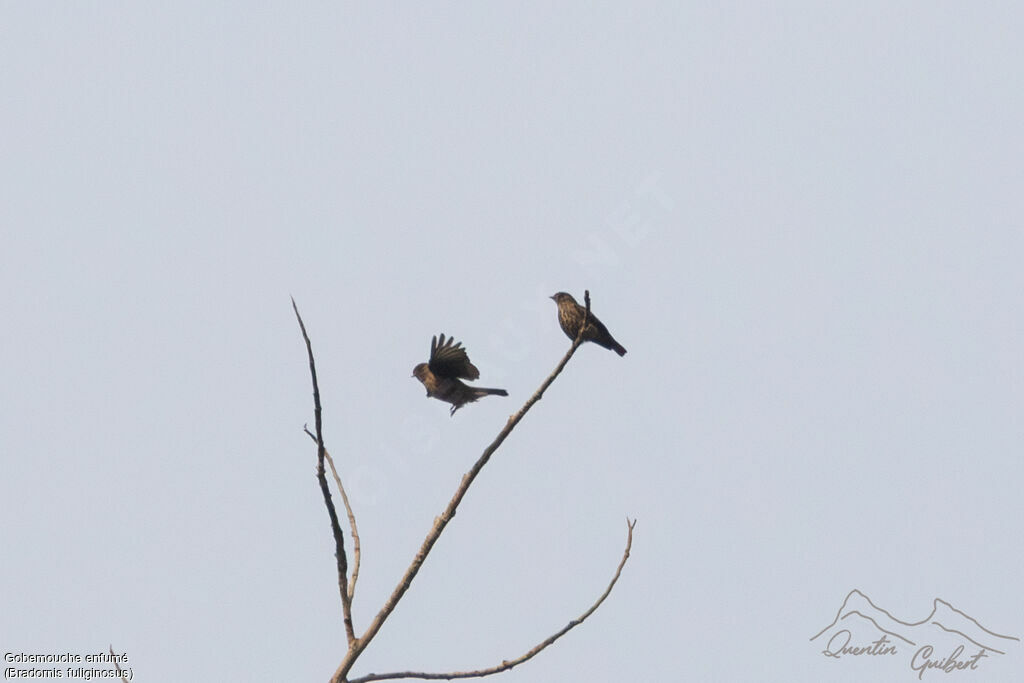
(356, 550)
(509, 663)
(117, 665)
(339, 538)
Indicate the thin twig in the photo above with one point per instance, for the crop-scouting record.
(117, 664)
(356, 550)
(586, 316)
(509, 663)
(441, 522)
(339, 539)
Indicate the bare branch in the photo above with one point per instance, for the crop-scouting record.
(356, 550)
(339, 539)
(440, 522)
(117, 665)
(509, 663)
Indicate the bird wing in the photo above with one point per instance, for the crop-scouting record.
(449, 359)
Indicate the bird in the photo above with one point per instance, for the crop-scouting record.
(441, 374)
(570, 317)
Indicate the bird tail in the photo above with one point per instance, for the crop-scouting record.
(612, 345)
(483, 391)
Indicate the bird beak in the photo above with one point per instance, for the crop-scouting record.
(552, 297)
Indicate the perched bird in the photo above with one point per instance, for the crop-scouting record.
(448, 363)
(570, 317)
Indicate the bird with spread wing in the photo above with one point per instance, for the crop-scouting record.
(442, 374)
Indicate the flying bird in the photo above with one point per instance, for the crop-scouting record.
(442, 373)
(570, 317)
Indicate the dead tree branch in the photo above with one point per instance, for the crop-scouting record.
(356, 550)
(347, 587)
(510, 663)
(117, 665)
(339, 539)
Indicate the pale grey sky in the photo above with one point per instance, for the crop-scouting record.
(802, 219)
